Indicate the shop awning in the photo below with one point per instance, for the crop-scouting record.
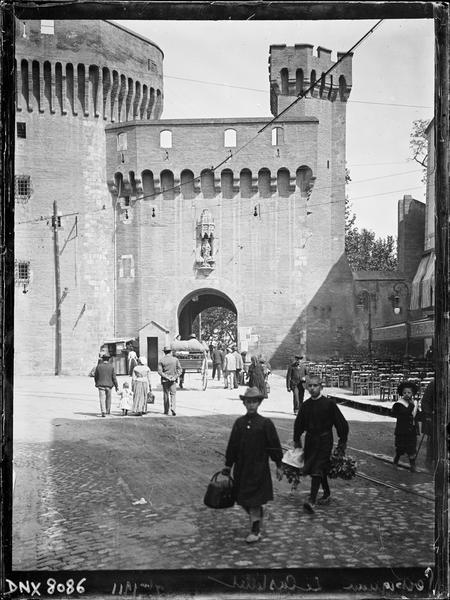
(421, 285)
(428, 283)
(389, 332)
(423, 328)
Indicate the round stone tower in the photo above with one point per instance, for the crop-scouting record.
(72, 79)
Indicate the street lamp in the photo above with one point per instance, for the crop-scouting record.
(365, 299)
(399, 289)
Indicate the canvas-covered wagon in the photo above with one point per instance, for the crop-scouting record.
(192, 356)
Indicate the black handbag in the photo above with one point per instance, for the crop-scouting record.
(150, 398)
(220, 494)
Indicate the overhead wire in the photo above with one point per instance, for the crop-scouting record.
(309, 204)
(277, 117)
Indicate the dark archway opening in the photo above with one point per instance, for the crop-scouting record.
(210, 315)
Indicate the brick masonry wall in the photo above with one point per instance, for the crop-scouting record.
(65, 156)
(271, 266)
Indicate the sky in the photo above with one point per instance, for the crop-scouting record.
(220, 69)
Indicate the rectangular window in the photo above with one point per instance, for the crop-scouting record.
(122, 141)
(23, 187)
(22, 271)
(47, 27)
(126, 266)
(21, 129)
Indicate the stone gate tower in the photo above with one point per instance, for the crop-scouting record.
(262, 234)
(72, 79)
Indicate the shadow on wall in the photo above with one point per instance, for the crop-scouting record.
(328, 321)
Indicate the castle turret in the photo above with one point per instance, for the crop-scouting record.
(73, 78)
(294, 69)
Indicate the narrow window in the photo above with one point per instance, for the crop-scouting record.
(121, 141)
(229, 138)
(284, 82)
(167, 184)
(21, 129)
(165, 138)
(226, 182)
(277, 136)
(47, 27)
(23, 187)
(126, 266)
(22, 271)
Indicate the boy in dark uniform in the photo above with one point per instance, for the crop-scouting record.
(252, 442)
(317, 416)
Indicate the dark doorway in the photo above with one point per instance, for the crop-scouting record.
(152, 353)
(196, 302)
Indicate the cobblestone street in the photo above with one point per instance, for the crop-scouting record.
(127, 492)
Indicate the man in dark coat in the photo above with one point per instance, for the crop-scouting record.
(295, 378)
(105, 379)
(252, 442)
(317, 416)
(217, 360)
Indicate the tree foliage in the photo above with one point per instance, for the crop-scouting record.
(218, 325)
(364, 251)
(418, 144)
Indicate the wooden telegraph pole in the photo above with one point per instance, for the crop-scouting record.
(56, 224)
(441, 353)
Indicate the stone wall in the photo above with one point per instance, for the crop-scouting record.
(63, 154)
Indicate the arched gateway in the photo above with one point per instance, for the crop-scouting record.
(197, 301)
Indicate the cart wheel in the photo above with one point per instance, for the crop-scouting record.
(204, 375)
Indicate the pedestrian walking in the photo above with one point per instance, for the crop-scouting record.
(316, 418)
(243, 379)
(256, 375)
(267, 370)
(217, 361)
(141, 386)
(428, 404)
(295, 380)
(405, 410)
(253, 440)
(132, 359)
(239, 367)
(105, 379)
(170, 370)
(230, 369)
(126, 399)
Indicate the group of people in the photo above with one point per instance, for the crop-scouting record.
(135, 399)
(254, 440)
(236, 371)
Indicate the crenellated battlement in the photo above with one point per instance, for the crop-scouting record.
(87, 68)
(293, 69)
(84, 90)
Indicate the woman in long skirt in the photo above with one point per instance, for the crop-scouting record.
(256, 376)
(141, 386)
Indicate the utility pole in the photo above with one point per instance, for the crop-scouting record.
(56, 224)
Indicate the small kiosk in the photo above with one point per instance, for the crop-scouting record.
(117, 349)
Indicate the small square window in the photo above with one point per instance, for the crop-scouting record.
(23, 187)
(21, 129)
(22, 271)
(47, 27)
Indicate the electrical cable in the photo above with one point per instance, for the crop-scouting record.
(308, 205)
(277, 117)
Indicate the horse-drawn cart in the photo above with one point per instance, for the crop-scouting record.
(192, 357)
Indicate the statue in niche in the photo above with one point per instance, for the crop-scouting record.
(206, 244)
(205, 251)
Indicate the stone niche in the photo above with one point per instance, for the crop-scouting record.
(206, 244)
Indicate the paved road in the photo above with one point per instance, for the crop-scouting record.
(79, 479)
